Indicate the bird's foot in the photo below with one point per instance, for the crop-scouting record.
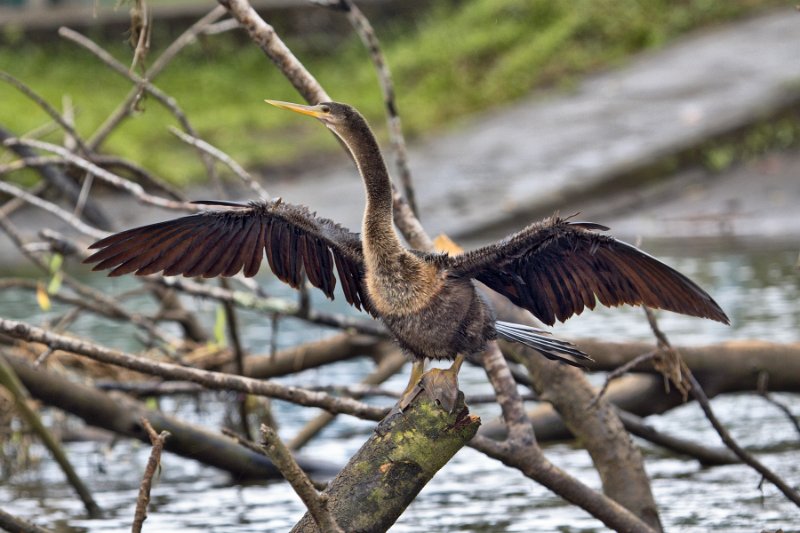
(441, 385)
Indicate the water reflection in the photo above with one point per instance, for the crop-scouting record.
(472, 493)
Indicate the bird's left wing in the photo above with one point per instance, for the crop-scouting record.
(556, 268)
(225, 241)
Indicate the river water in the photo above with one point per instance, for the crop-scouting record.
(760, 290)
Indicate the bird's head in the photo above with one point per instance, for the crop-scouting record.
(333, 114)
(345, 122)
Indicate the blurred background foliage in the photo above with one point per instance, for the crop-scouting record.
(449, 60)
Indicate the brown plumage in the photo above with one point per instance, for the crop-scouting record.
(555, 268)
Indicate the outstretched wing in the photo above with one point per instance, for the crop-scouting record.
(556, 268)
(224, 242)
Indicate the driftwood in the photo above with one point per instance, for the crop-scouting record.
(123, 416)
(390, 469)
(720, 368)
(733, 366)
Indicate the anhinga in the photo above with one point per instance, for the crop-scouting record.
(429, 302)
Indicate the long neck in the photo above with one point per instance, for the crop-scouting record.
(377, 227)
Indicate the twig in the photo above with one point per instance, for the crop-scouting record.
(167, 101)
(697, 392)
(701, 398)
(210, 380)
(388, 367)
(141, 29)
(316, 503)
(238, 354)
(55, 176)
(53, 209)
(218, 154)
(707, 456)
(134, 188)
(273, 305)
(140, 173)
(126, 107)
(50, 110)
(113, 308)
(367, 35)
(763, 390)
(621, 371)
(153, 462)
(10, 381)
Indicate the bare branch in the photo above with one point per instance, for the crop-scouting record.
(153, 462)
(697, 392)
(53, 209)
(10, 381)
(367, 35)
(10, 522)
(265, 37)
(167, 101)
(133, 188)
(210, 380)
(50, 110)
(218, 154)
(126, 107)
(316, 503)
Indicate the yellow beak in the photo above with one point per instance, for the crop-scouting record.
(297, 108)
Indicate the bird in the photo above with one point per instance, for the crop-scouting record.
(428, 301)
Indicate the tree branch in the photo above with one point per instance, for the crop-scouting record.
(210, 380)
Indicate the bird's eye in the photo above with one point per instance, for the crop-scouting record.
(325, 109)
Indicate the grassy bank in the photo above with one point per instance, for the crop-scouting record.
(448, 62)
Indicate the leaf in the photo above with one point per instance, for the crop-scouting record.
(219, 326)
(55, 263)
(41, 297)
(55, 283)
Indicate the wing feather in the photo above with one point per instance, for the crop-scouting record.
(227, 241)
(557, 268)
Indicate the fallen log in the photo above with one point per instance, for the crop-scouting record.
(122, 415)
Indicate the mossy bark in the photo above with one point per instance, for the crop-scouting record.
(390, 469)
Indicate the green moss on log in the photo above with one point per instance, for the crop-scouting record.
(390, 469)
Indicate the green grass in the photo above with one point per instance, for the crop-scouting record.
(447, 63)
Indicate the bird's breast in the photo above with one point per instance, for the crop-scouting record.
(399, 282)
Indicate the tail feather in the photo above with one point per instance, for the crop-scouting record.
(542, 342)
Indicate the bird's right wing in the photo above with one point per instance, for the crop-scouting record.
(224, 242)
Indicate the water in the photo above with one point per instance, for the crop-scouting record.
(759, 290)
